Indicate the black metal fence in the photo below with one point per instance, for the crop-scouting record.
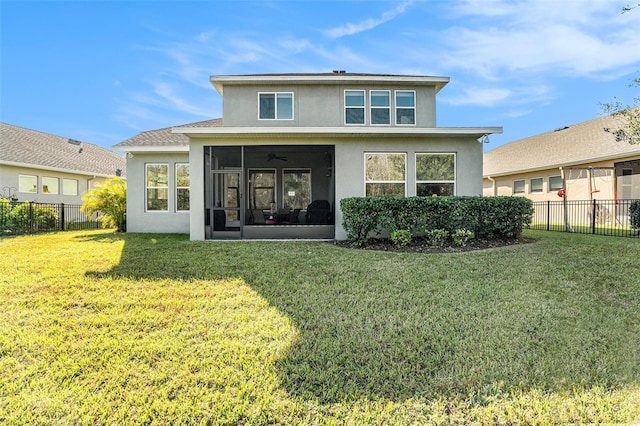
(27, 217)
(601, 217)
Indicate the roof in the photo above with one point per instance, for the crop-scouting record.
(165, 137)
(335, 77)
(25, 147)
(581, 143)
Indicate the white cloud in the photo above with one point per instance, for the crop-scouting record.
(368, 24)
(497, 96)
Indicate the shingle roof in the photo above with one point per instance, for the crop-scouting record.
(580, 143)
(164, 136)
(30, 147)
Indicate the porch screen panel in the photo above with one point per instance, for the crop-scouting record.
(385, 174)
(296, 188)
(182, 187)
(262, 188)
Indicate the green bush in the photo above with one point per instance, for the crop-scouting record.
(634, 214)
(461, 236)
(437, 237)
(486, 217)
(401, 237)
(26, 217)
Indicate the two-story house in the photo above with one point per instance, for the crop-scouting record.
(289, 148)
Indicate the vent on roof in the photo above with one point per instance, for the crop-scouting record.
(73, 142)
(561, 129)
(339, 72)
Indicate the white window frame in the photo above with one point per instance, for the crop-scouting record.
(363, 107)
(455, 170)
(404, 182)
(51, 183)
(146, 188)
(372, 107)
(178, 187)
(65, 186)
(396, 107)
(275, 113)
(30, 177)
(541, 190)
(524, 186)
(554, 189)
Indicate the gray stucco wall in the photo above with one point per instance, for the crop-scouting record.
(349, 167)
(316, 105)
(138, 220)
(9, 179)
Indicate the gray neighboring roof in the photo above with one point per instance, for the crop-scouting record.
(581, 143)
(31, 148)
(165, 137)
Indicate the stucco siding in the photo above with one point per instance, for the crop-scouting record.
(10, 184)
(139, 220)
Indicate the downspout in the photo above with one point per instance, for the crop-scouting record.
(493, 185)
(567, 225)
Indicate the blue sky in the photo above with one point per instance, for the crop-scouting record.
(103, 71)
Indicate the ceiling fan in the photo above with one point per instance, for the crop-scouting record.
(273, 156)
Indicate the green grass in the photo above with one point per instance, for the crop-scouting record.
(105, 328)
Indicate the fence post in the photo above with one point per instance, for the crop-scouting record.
(62, 216)
(548, 214)
(31, 230)
(593, 218)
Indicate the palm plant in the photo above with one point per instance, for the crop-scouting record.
(109, 199)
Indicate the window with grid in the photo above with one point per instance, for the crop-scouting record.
(385, 174)
(435, 174)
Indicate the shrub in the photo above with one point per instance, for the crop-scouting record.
(401, 237)
(437, 237)
(461, 236)
(27, 217)
(485, 217)
(634, 214)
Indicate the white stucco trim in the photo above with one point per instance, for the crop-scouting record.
(56, 169)
(154, 148)
(337, 132)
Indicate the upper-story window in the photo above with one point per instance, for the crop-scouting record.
(405, 107)
(276, 106)
(380, 101)
(354, 106)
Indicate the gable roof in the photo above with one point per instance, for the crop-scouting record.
(585, 142)
(31, 148)
(165, 137)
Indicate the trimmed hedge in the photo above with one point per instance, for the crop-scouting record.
(634, 214)
(487, 217)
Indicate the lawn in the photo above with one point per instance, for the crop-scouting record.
(105, 328)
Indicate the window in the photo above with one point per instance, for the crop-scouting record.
(405, 107)
(157, 183)
(380, 101)
(535, 185)
(50, 185)
(27, 183)
(435, 174)
(182, 187)
(354, 106)
(276, 106)
(555, 183)
(296, 188)
(262, 189)
(518, 186)
(69, 187)
(385, 174)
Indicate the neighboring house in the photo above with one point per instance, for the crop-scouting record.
(40, 167)
(291, 146)
(583, 159)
